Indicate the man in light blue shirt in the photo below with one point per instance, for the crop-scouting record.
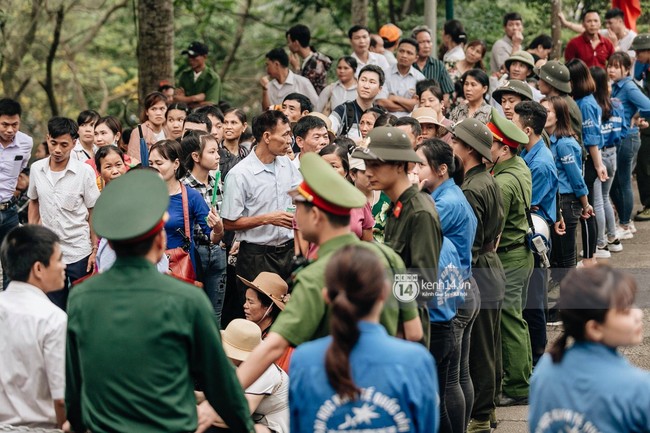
(530, 117)
(256, 204)
(15, 150)
(398, 94)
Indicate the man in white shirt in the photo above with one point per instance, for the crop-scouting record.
(62, 193)
(32, 377)
(283, 81)
(360, 42)
(398, 95)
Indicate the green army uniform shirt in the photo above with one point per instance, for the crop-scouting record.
(482, 193)
(137, 341)
(515, 183)
(306, 316)
(208, 82)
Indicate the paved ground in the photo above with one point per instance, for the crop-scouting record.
(635, 257)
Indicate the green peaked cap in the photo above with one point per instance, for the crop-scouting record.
(508, 130)
(130, 206)
(325, 188)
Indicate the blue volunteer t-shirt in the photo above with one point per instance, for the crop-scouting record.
(593, 389)
(399, 387)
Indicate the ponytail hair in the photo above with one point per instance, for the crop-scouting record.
(437, 152)
(355, 281)
(588, 294)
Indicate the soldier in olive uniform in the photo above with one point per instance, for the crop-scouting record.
(323, 204)
(472, 142)
(412, 230)
(137, 340)
(515, 183)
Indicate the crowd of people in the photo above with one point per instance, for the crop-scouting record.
(378, 253)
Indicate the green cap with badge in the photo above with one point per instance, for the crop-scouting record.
(641, 42)
(325, 188)
(132, 207)
(521, 56)
(387, 143)
(505, 131)
(556, 75)
(515, 87)
(476, 135)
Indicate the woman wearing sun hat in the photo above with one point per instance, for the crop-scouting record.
(266, 297)
(268, 396)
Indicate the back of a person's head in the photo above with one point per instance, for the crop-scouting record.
(301, 34)
(10, 107)
(200, 118)
(278, 55)
(532, 115)
(60, 126)
(210, 110)
(416, 128)
(544, 40)
(581, 82)
(23, 247)
(355, 280)
(588, 294)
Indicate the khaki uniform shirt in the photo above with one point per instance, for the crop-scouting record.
(483, 195)
(208, 82)
(515, 183)
(306, 316)
(137, 342)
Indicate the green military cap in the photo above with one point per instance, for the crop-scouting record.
(516, 87)
(505, 131)
(641, 42)
(325, 188)
(521, 56)
(556, 75)
(387, 143)
(131, 207)
(476, 135)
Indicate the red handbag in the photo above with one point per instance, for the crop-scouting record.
(180, 261)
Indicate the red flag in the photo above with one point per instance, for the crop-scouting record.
(631, 9)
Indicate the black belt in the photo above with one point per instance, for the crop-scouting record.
(7, 205)
(264, 249)
(511, 247)
(610, 146)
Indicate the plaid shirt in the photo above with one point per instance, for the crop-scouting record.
(206, 192)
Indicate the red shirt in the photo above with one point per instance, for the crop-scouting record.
(580, 47)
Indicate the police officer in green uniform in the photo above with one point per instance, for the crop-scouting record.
(323, 203)
(472, 142)
(198, 84)
(412, 230)
(138, 341)
(515, 183)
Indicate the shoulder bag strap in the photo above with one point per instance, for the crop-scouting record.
(531, 225)
(186, 213)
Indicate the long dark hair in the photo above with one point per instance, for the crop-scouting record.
(561, 108)
(355, 279)
(437, 152)
(601, 94)
(588, 294)
(582, 84)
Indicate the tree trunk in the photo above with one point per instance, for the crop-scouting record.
(155, 44)
(360, 12)
(239, 34)
(376, 15)
(48, 85)
(556, 29)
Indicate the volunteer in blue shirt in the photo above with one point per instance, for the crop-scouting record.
(441, 173)
(360, 378)
(583, 87)
(530, 117)
(633, 100)
(589, 386)
(573, 190)
(612, 130)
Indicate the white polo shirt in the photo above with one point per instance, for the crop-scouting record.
(64, 199)
(32, 356)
